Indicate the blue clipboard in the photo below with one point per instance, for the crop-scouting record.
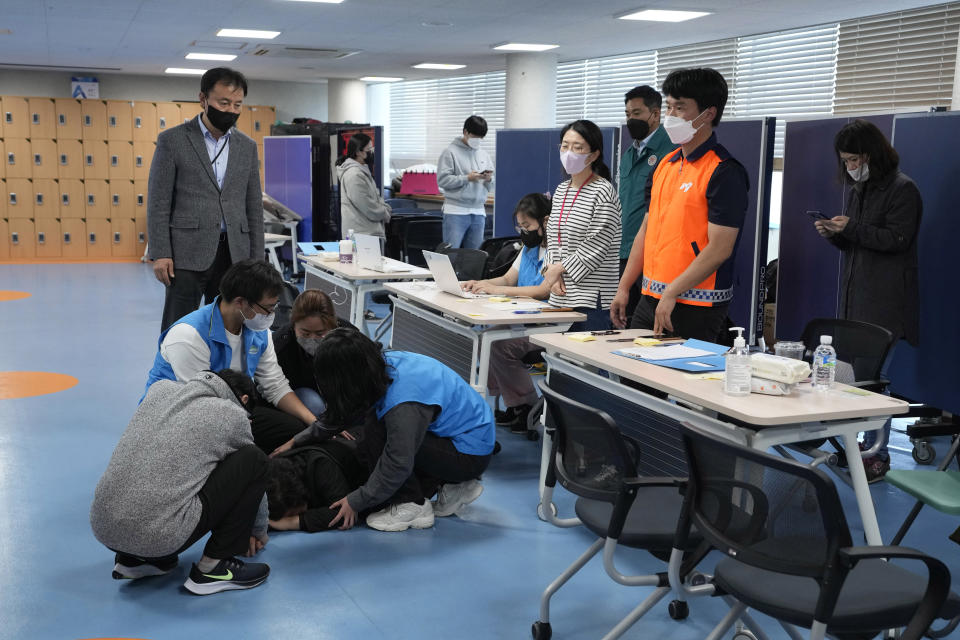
(313, 248)
(702, 364)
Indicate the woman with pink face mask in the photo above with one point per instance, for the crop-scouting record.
(583, 232)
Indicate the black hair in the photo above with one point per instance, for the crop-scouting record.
(475, 126)
(650, 96)
(250, 280)
(285, 487)
(226, 75)
(351, 375)
(594, 137)
(703, 85)
(357, 142)
(536, 206)
(241, 385)
(863, 137)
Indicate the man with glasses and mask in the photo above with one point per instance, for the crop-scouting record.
(204, 208)
(233, 332)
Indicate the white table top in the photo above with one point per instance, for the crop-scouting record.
(476, 310)
(803, 405)
(270, 238)
(353, 272)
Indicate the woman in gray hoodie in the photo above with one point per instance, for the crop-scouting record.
(361, 203)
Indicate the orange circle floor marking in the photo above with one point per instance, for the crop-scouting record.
(13, 295)
(24, 384)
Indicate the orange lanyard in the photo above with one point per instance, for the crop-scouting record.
(572, 205)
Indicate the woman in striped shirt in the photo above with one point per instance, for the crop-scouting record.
(583, 232)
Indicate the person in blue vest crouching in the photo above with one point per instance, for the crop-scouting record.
(425, 431)
(233, 332)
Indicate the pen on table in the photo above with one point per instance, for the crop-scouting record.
(519, 311)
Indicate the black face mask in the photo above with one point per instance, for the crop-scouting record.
(369, 159)
(639, 129)
(531, 239)
(222, 120)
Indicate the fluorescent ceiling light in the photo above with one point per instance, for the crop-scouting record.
(663, 15)
(517, 46)
(436, 65)
(185, 72)
(226, 57)
(248, 33)
(379, 79)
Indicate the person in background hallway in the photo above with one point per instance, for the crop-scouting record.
(465, 174)
(686, 245)
(204, 205)
(362, 207)
(877, 238)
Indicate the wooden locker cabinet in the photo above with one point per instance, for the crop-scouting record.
(168, 116)
(120, 153)
(140, 198)
(188, 110)
(43, 120)
(72, 200)
(96, 194)
(17, 161)
(73, 238)
(245, 122)
(48, 238)
(119, 120)
(4, 237)
(68, 115)
(3, 159)
(93, 119)
(96, 163)
(22, 239)
(144, 122)
(123, 237)
(142, 159)
(122, 203)
(3, 199)
(43, 157)
(70, 159)
(16, 123)
(99, 244)
(262, 118)
(46, 199)
(19, 197)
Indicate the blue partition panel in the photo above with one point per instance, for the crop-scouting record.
(930, 373)
(809, 266)
(287, 167)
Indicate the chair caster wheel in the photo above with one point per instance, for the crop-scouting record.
(678, 610)
(542, 515)
(533, 435)
(541, 630)
(923, 452)
(697, 579)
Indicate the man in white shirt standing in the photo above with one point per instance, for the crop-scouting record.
(233, 332)
(465, 173)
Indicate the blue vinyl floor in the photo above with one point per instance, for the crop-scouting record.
(473, 577)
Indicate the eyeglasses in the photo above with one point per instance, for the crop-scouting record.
(272, 308)
(576, 147)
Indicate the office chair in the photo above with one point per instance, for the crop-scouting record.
(502, 252)
(794, 560)
(401, 203)
(468, 264)
(419, 234)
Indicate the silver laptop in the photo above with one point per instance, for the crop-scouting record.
(369, 256)
(445, 277)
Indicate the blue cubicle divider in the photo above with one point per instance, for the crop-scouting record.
(929, 373)
(287, 177)
(528, 161)
(809, 266)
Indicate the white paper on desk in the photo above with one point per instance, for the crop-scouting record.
(531, 305)
(667, 353)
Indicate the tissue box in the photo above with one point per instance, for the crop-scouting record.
(778, 368)
(425, 183)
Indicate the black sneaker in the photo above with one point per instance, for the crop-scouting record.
(522, 413)
(131, 568)
(505, 418)
(228, 574)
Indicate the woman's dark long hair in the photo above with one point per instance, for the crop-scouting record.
(357, 143)
(351, 375)
(864, 138)
(594, 137)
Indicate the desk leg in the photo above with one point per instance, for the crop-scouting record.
(274, 260)
(862, 489)
(484, 366)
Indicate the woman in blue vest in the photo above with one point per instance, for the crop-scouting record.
(425, 432)
(509, 377)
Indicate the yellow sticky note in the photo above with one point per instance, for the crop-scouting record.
(581, 337)
(858, 392)
(498, 299)
(475, 315)
(645, 342)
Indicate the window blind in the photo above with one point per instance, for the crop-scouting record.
(593, 89)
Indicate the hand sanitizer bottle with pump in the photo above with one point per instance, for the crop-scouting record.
(736, 378)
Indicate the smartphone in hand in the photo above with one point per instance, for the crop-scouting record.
(817, 215)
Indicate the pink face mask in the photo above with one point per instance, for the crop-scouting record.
(573, 163)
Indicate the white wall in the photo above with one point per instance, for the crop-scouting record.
(378, 114)
(292, 99)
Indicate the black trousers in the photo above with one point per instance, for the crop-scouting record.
(231, 497)
(634, 298)
(272, 427)
(702, 323)
(186, 287)
(437, 463)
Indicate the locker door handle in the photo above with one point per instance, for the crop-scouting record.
(36, 118)
(116, 199)
(87, 121)
(8, 116)
(139, 199)
(13, 199)
(113, 121)
(91, 199)
(139, 161)
(63, 119)
(141, 237)
(89, 160)
(65, 198)
(37, 159)
(63, 159)
(66, 237)
(114, 161)
(11, 158)
(163, 123)
(14, 237)
(41, 237)
(137, 122)
(256, 125)
(93, 237)
(40, 198)
(116, 237)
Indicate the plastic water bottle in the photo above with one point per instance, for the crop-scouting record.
(736, 378)
(346, 252)
(824, 364)
(353, 241)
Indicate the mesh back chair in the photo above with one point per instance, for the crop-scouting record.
(502, 252)
(420, 234)
(790, 553)
(863, 345)
(401, 203)
(594, 461)
(468, 264)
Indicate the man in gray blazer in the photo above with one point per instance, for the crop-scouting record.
(204, 209)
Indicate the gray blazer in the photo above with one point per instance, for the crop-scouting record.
(185, 206)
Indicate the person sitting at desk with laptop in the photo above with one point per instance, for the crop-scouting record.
(508, 374)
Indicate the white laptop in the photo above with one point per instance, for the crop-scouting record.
(445, 277)
(369, 256)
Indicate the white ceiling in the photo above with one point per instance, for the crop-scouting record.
(146, 36)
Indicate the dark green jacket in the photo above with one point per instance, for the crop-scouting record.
(634, 172)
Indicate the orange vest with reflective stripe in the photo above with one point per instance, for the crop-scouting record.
(677, 228)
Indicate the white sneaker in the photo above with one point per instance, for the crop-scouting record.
(454, 496)
(400, 517)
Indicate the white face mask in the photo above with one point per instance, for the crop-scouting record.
(680, 131)
(861, 173)
(573, 163)
(258, 322)
(474, 143)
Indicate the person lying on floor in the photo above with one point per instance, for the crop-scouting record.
(425, 430)
(186, 466)
(303, 482)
